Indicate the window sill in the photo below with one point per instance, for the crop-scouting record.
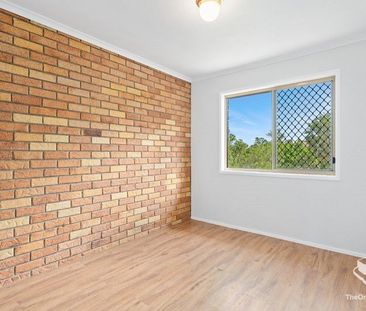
(280, 175)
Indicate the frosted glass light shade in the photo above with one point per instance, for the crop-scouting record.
(209, 9)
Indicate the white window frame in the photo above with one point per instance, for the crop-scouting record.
(335, 74)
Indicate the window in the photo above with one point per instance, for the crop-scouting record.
(287, 129)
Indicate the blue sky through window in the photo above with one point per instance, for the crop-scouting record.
(250, 116)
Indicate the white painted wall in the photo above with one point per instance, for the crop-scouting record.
(329, 214)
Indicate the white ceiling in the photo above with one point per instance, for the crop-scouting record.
(170, 35)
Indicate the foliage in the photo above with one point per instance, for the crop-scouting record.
(256, 156)
(319, 138)
(313, 152)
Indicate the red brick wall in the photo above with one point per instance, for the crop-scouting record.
(94, 148)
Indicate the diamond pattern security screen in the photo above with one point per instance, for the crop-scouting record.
(305, 127)
(287, 128)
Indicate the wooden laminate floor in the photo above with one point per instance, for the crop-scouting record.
(195, 266)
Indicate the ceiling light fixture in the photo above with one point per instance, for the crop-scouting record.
(209, 9)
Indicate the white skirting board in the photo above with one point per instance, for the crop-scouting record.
(281, 237)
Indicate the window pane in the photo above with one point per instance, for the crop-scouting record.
(249, 131)
(304, 127)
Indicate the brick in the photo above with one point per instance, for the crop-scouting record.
(79, 108)
(43, 111)
(30, 192)
(40, 253)
(5, 97)
(58, 188)
(56, 71)
(60, 237)
(34, 209)
(141, 222)
(118, 168)
(69, 114)
(12, 223)
(28, 137)
(6, 175)
(15, 203)
(69, 212)
(55, 121)
(118, 87)
(42, 76)
(120, 195)
(42, 93)
(28, 45)
(68, 163)
(92, 192)
(110, 92)
(43, 41)
(134, 231)
(56, 55)
(5, 37)
(14, 88)
(44, 234)
(78, 123)
(58, 205)
(117, 59)
(69, 66)
(154, 218)
(13, 165)
(56, 138)
(54, 104)
(90, 162)
(56, 155)
(44, 181)
(100, 111)
(79, 45)
(43, 163)
(27, 100)
(28, 26)
(14, 261)
(7, 214)
(78, 92)
(25, 118)
(20, 231)
(29, 265)
(68, 82)
(134, 154)
(6, 253)
(80, 61)
(54, 87)
(58, 256)
(80, 233)
(12, 242)
(117, 114)
(52, 34)
(6, 136)
(27, 248)
(42, 146)
(100, 140)
(6, 155)
(6, 234)
(27, 63)
(91, 222)
(6, 18)
(7, 48)
(13, 69)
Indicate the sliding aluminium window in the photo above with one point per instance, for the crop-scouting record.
(285, 129)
